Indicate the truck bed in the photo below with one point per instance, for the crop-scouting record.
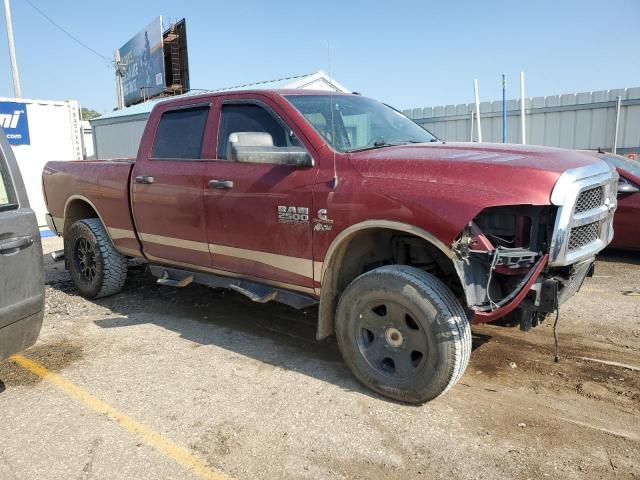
(103, 185)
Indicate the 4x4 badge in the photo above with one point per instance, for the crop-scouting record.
(322, 223)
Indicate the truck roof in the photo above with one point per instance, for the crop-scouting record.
(146, 107)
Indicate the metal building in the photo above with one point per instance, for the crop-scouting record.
(118, 134)
(575, 120)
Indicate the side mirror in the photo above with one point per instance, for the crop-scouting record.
(257, 147)
(625, 187)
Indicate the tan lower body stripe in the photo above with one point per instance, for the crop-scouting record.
(120, 233)
(174, 242)
(304, 267)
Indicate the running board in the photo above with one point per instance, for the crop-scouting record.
(256, 291)
(166, 279)
(57, 255)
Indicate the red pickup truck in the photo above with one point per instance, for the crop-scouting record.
(307, 197)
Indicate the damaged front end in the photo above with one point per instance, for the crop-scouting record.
(522, 262)
(504, 261)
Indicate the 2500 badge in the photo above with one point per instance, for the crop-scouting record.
(293, 214)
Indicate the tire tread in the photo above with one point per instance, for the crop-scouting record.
(114, 264)
(456, 322)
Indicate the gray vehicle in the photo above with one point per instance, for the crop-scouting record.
(21, 266)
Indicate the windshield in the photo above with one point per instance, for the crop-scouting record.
(623, 163)
(359, 123)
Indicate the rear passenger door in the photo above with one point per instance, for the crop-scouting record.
(167, 188)
(259, 217)
(21, 269)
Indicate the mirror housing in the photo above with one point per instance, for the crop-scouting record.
(257, 147)
(625, 187)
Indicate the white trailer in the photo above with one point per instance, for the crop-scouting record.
(39, 131)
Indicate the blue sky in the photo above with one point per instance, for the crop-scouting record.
(406, 53)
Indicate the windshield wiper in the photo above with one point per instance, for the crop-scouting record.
(377, 144)
(384, 143)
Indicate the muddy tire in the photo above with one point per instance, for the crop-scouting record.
(403, 333)
(96, 268)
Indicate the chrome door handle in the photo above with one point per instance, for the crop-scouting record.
(220, 184)
(144, 179)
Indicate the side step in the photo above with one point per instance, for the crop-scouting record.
(256, 291)
(165, 279)
(57, 255)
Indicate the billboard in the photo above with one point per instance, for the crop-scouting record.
(142, 58)
(14, 121)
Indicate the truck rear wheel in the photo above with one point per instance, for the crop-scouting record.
(403, 333)
(96, 268)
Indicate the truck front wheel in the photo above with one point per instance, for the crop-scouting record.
(96, 268)
(403, 333)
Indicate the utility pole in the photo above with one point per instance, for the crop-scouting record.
(12, 50)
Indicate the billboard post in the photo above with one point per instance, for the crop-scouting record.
(142, 59)
(119, 74)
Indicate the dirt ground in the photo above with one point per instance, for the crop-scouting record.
(247, 389)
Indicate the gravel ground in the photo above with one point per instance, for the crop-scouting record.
(246, 389)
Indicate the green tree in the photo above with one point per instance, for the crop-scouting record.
(88, 114)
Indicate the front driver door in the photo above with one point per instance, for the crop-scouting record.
(259, 222)
(21, 269)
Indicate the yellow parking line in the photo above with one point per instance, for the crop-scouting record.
(171, 450)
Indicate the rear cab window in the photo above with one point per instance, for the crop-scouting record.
(180, 134)
(7, 193)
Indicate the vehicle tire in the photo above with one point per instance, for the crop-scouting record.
(96, 268)
(403, 333)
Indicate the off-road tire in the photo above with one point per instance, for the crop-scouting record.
(430, 306)
(110, 267)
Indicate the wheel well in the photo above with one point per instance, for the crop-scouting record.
(78, 209)
(367, 249)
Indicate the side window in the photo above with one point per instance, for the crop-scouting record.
(7, 195)
(251, 118)
(180, 134)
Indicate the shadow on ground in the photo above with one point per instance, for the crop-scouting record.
(620, 256)
(271, 333)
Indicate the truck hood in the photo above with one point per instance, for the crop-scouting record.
(502, 173)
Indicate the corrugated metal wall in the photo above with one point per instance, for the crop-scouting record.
(118, 137)
(574, 120)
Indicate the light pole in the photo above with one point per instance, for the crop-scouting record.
(12, 50)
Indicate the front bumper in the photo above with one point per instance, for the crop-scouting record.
(544, 291)
(534, 276)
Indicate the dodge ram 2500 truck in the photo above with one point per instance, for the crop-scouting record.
(307, 197)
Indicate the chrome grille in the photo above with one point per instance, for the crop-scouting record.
(590, 199)
(584, 235)
(586, 200)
